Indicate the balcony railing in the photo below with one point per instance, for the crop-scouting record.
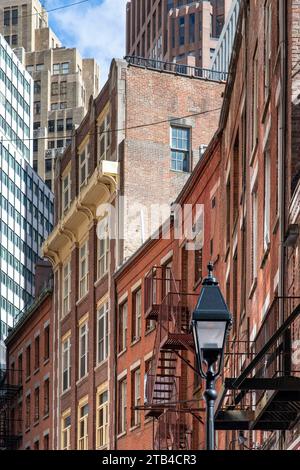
(172, 432)
(178, 69)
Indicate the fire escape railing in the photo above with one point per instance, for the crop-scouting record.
(10, 427)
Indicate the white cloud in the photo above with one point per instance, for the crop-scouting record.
(97, 30)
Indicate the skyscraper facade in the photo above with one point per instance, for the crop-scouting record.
(63, 81)
(181, 31)
(26, 203)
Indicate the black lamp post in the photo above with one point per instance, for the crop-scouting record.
(210, 324)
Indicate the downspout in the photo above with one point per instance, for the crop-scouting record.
(282, 157)
(115, 373)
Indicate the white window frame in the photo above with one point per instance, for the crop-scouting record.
(102, 316)
(102, 410)
(122, 387)
(254, 233)
(83, 166)
(136, 390)
(268, 47)
(83, 440)
(103, 250)
(66, 301)
(124, 322)
(66, 192)
(255, 100)
(83, 333)
(104, 137)
(138, 315)
(65, 432)
(267, 196)
(66, 363)
(83, 274)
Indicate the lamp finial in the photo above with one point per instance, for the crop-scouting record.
(210, 280)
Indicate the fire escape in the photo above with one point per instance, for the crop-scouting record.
(166, 401)
(10, 427)
(261, 383)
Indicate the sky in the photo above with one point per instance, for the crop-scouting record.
(96, 28)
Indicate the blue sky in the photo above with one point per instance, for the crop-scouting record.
(96, 28)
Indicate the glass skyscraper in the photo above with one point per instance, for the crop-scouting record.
(26, 203)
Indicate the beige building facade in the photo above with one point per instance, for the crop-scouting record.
(63, 80)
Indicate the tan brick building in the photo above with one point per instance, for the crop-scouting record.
(124, 147)
(63, 80)
(175, 31)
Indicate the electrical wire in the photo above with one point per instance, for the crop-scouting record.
(124, 129)
(54, 9)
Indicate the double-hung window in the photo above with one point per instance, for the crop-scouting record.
(83, 349)
(83, 270)
(83, 166)
(123, 318)
(136, 315)
(66, 364)
(102, 419)
(66, 288)
(66, 192)
(66, 431)
(103, 249)
(102, 333)
(104, 138)
(180, 149)
(83, 415)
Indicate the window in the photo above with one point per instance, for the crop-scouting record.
(60, 125)
(255, 101)
(136, 315)
(66, 364)
(83, 270)
(66, 192)
(36, 404)
(83, 350)
(54, 88)
(63, 88)
(135, 397)
(46, 397)
(54, 106)
(37, 107)
(103, 249)
(65, 66)
(60, 143)
(37, 353)
(7, 39)
(254, 234)
(180, 149)
(46, 342)
(35, 145)
(46, 442)
(228, 211)
(6, 19)
(83, 414)
(122, 404)
(20, 367)
(28, 361)
(102, 419)
(66, 431)
(268, 43)
(28, 411)
(192, 28)
(69, 124)
(66, 289)
(181, 30)
(104, 138)
(102, 333)
(48, 165)
(14, 39)
(123, 318)
(36, 125)
(39, 67)
(83, 166)
(267, 203)
(56, 69)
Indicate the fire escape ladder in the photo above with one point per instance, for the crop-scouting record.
(10, 427)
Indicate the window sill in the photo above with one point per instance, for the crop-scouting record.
(46, 416)
(46, 361)
(101, 364)
(133, 428)
(197, 284)
(120, 354)
(63, 318)
(36, 371)
(83, 379)
(65, 392)
(266, 106)
(181, 172)
(27, 429)
(135, 341)
(27, 379)
(36, 423)
(122, 434)
(253, 288)
(82, 299)
(276, 225)
(100, 279)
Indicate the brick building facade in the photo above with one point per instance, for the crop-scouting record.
(26, 419)
(127, 146)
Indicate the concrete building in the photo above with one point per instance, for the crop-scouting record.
(63, 81)
(180, 31)
(222, 56)
(102, 166)
(26, 204)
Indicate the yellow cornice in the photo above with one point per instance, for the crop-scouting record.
(81, 213)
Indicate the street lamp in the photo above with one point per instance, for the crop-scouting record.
(210, 325)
